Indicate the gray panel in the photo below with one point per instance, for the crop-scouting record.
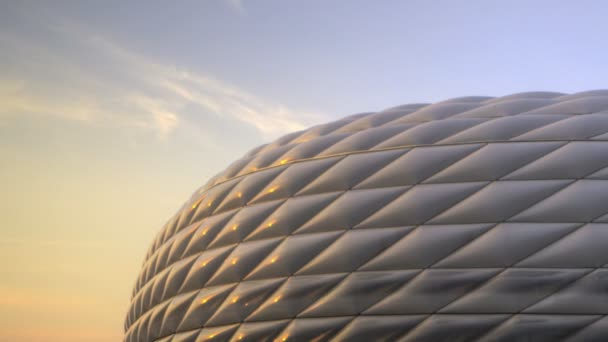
(259, 331)
(425, 246)
(353, 249)
(313, 329)
(594, 332)
(217, 333)
(538, 328)
(243, 300)
(417, 165)
(243, 222)
(206, 232)
(242, 260)
(295, 295)
(364, 140)
(453, 328)
(350, 171)
(587, 295)
(568, 253)
(204, 306)
(431, 290)
(421, 203)
(204, 267)
(514, 290)
(247, 188)
(429, 132)
(506, 244)
(291, 215)
(349, 209)
(310, 149)
(500, 201)
(576, 127)
(507, 107)
(437, 111)
(493, 161)
(378, 328)
(293, 179)
(292, 254)
(582, 201)
(504, 128)
(574, 160)
(357, 292)
(189, 336)
(175, 313)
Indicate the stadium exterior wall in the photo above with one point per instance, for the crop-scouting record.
(474, 218)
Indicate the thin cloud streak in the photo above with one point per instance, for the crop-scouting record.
(138, 93)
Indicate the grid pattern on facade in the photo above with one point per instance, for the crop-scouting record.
(472, 218)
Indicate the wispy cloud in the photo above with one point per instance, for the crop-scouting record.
(95, 80)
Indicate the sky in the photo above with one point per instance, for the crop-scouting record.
(113, 112)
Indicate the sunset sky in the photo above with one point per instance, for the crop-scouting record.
(113, 112)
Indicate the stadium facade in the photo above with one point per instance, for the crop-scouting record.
(474, 218)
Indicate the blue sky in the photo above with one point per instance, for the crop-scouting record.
(320, 53)
(113, 112)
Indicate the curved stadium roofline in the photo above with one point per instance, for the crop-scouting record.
(474, 218)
